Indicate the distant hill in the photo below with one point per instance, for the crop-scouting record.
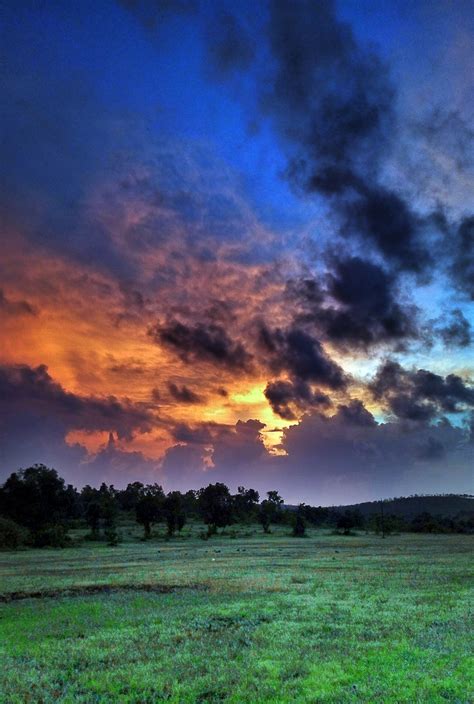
(447, 506)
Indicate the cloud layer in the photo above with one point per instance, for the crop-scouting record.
(238, 246)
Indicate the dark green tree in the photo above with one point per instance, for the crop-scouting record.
(425, 523)
(245, 504)
(270, 510)
(173, 509)
(215, 506)
(92, 516)
(129, 497)
(149, 508)
(299, 526)
(101, 509)
(346, 522)
(38, 499)
(190, 503)
(109, 512)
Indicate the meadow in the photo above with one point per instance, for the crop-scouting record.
(243, 617)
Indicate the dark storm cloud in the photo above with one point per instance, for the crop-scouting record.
(183, 468)
(329, 96)
(206, 342)
(240, 449)
(306, 290)
(368, 312)
(300, 355)
(332, 102)
(358, 308)
(346, 455)
(8, 306)
(234, 454)
(31, 390)
(337, 457)
(36, 414)
(115, 466)
(211, 434)
(387, 220)
(285, 396)
(355, 413)
(462, 269)
(183, 394)
(457, 331)
(420, 395)
(431, 450)
(198, 435)
(470, 426)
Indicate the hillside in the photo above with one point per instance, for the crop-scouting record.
(447, 506)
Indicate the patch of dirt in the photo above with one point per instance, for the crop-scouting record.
(91, 589)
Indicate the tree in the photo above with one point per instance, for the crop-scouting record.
(92, 516)
(382, 519)
(215, 506)
(149, 507)
(12, 535)
(316, 515)
(38, 499)
(181, 521)
(299, 527)
(424, 523)
(129, 497)
(245, 504)
(72, 502)
(264, 515)
(386, 524)
(270, 510)
(101, 507)
(346, 522)
(190, 503)
(109, 511)
(174, 512)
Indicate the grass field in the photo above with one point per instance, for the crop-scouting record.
(252, 619)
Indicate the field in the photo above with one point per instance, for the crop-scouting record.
(237, 619)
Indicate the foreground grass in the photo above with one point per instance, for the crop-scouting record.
(255, 619)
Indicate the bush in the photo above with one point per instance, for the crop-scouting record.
(12, 536)
(299, 527)
(112, 537)
(54, 536)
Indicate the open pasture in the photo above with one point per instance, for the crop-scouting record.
(324, 619)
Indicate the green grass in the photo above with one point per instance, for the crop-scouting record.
(252, 619)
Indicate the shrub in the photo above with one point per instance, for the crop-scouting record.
(12, 536)
(53, 536)
(112, 536)
(299, 527)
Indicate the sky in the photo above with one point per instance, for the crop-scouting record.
(238, 244)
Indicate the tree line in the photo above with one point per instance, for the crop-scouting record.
(37, 508)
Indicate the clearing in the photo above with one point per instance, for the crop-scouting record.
(243, 619)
